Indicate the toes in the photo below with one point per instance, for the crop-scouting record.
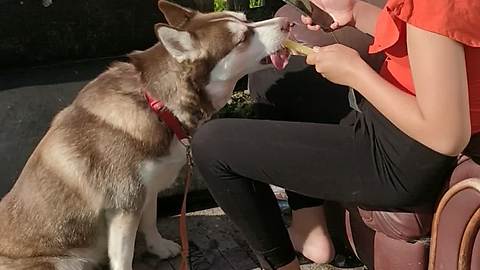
(164, 249)
(174, 248)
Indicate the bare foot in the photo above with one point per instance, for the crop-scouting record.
(309, 234)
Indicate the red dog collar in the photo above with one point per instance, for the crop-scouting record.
(165, 115)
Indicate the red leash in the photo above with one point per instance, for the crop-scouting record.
(166, 116)
(183, 215)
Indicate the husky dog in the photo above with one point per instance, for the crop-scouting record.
(93, 179)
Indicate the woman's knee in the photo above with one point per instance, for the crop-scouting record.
(207, 136)
(208, 147)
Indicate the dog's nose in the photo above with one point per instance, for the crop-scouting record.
(287, 26)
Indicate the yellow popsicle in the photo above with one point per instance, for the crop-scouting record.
(296, 48)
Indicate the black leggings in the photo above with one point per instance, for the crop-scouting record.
(356, 158)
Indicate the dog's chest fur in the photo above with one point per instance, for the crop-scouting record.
(160, 173)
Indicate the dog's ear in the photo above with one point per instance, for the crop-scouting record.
(180, 44)
(176, 15)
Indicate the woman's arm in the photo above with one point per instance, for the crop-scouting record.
(439, 114)
(365, 16)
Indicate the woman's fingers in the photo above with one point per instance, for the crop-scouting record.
(308, 22)
(315, 58)
(334, 25)
(311, 59)
(313, 27)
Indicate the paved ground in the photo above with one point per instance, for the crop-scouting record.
(220, 245)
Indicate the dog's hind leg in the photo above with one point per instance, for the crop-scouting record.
(122, 229)
(156, 244)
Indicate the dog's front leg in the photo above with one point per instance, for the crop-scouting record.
(156, 244)
(122, 229)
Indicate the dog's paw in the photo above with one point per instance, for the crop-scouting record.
(164, 248)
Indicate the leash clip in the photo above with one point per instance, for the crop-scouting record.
(186, 142)
(188, 153)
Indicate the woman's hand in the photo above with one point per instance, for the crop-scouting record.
(340, 10)
(337, 63)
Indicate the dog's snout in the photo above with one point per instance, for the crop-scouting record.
(287, 26)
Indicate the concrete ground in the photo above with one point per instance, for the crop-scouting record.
(220, 245)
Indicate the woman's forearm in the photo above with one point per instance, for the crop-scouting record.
(404, 111)
(438, 116)
(365, 16)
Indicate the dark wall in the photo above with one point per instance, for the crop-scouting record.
(38, 32)
(45, 33)
(34, 32)
(29, 99)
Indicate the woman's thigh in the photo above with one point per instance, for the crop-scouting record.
(325, 161)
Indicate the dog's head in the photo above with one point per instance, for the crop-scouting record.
(200, 57)
(235, 45)
(224, 43)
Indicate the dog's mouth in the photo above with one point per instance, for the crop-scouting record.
(278, 59)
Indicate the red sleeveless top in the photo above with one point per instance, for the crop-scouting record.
(456, 19)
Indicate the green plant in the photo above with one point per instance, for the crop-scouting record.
(219, 5)
(256, 3)
(240, 106)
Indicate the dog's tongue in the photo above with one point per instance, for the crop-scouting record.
(280, 59)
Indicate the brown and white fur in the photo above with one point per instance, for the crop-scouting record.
(93, 179)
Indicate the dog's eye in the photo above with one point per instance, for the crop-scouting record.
(243, 39)
(246, 36)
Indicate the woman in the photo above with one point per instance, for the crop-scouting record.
(417, 115)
